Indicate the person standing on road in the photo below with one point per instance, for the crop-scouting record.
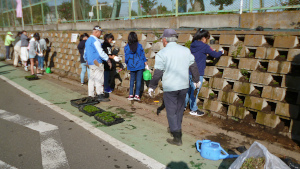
(34, 52)
(24, 49)
(81, 47)
(172, 64)
(94, 55)
(136, 62)
(8, 44)
(199, 49)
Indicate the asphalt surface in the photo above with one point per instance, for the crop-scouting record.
(21, 147)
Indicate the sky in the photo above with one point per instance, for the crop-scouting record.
(170, 4)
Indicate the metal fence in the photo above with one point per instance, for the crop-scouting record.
(43, 12)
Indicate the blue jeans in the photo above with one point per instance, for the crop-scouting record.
(190, 95)
(83, 70)
(106, 79)
(136, 76)
(41, 62)
(7, 51)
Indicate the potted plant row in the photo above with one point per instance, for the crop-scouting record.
(108, 118)
(84, 101)
(90, 110)
(32, 77)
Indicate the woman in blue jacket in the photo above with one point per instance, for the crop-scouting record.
(199, 49)
(136, 61)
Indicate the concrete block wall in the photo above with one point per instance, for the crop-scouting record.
(258, 76)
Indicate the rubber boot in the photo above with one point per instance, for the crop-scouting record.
(101, 98)
(176, 138)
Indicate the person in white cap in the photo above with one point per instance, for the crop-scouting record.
(172, 64)
(95, 56)
(8, 42)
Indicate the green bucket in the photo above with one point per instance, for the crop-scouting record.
(48, 70)
(147, 75)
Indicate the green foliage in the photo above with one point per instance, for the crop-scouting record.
(275, 83)
(188, 44)
(252, 163)
(259, 92)
(146, 50)
(282, 56)
(233, 65)
(221, 3)
(65, 10)
(234, 118)
(162, 9)
(156, 34)
(90, 108)
(251, 54)
(107, 11)
(30, 77)
(3, 37)
(241, 101)
(154, 42)
(212, 94)
(134, 13)
(148, 5)
(244, 72)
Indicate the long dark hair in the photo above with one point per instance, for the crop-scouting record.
(108, 36)
(83, 35)
(201, 33)
(36, 36)
(132, 38)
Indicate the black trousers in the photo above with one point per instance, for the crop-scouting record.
(174, 102)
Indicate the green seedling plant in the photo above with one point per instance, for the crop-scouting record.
(275, 83)
(154, 42)
(282, 56)
(244, 72)
(241, 102)
(251, 54)
(146, 50)
(90, 108)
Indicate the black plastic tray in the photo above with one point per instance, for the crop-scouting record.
(35, 78)
(118, 120)
(83, 104)
(90, 114)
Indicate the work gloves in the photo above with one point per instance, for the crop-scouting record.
(151, 92)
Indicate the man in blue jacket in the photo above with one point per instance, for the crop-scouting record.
(172, 64)
(95, 56)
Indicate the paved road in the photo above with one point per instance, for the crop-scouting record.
(34, 136)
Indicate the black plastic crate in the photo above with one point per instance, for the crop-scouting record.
(86, 101)
(116, 121)
(32, 78)
(92, 113)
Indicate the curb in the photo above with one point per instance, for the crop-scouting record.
(272, 147)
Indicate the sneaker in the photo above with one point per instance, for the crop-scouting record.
(130, 97)
(137, 98)
(108, 90)
(39, 74)
(26, 68)
(197, 113)
(81, 84)
(8, 59)
(101, 98)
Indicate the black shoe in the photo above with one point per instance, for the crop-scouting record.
(101, 98)
(176, 138)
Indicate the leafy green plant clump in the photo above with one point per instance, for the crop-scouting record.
(253, 163)
(146, 50)
(275, 83)
(30, 77)
(244, 72)
(90, 108)
(282, 56)
(212, 94)
(188, 44)
(154, 42)
(251, 54)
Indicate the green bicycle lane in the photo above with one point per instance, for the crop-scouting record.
(144, 135)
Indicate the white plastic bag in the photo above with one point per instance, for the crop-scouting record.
(258, 150)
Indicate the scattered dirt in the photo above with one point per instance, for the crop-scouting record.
(281, 58)
(274, 83)
(262, 69)
(218, 75)
(255, 93)
(268, 110)
(227, 88)
(223, 111)
(238, 103)
(244, 79)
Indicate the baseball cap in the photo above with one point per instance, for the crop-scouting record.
(169, 33)
(98, 28)
(9, 33)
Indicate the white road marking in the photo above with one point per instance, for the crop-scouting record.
(143, 158)
(53, 154)
(3, 165)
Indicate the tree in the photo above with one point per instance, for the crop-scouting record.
(106, 11)
(221, 3)
(182, 6)
(197, 5)
(134, 13)
(148, 5)
(65, 11)
(116, 9)
(162, 9)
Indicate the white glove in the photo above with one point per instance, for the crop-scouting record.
(197, 85)
(151, 92)
(222, 50)
(147, 67)
(117, 59)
